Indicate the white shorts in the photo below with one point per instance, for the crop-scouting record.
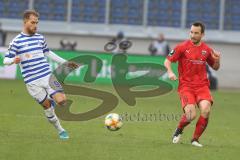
(42, 88)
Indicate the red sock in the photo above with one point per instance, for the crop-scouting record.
(183, 122)
(200, 127)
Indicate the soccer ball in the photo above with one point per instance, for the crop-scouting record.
(113, 121)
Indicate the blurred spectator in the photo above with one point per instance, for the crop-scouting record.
(68, 45)
(159, 46)
(117, 40)
(2, 36)
(118, 44)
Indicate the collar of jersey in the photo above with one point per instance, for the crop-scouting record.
(24, 34)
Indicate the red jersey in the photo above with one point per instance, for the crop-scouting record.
(192, 61)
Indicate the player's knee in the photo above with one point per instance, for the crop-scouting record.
(46, 104)
(61, 100)
(205, 107)
(191, 116)
(205, 111)
(190, 112)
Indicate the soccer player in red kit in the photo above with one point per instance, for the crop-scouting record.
(192, 56)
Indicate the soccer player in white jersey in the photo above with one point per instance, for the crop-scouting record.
(29, 50)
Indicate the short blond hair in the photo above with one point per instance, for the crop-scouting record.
(28, 13)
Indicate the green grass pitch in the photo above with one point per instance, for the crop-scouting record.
(26, 134)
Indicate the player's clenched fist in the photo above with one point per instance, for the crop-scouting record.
(72, 65)
(215, 55)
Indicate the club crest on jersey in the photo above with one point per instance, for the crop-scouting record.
(204, 52)
(172, 52)
(28, 55)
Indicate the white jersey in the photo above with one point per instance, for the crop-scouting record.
(31, 51)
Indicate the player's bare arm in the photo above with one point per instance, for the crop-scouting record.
(216, 56)
(10, 61)
(60, 60)
(171, 75)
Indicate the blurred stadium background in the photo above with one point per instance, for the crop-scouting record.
(91, 24)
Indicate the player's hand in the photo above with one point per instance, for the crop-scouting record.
(172, 76)
(16, 60)
(72, 65)
(215, 55)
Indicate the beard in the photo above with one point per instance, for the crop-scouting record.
(195, 41)
(32, 31)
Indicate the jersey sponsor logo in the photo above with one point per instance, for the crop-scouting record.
(197, 61)
(204, 52)
(172, 52)
(36, 55)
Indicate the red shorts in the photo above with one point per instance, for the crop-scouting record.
(194, 95)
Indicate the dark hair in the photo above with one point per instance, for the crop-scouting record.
(28, 13)
(199, 24)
